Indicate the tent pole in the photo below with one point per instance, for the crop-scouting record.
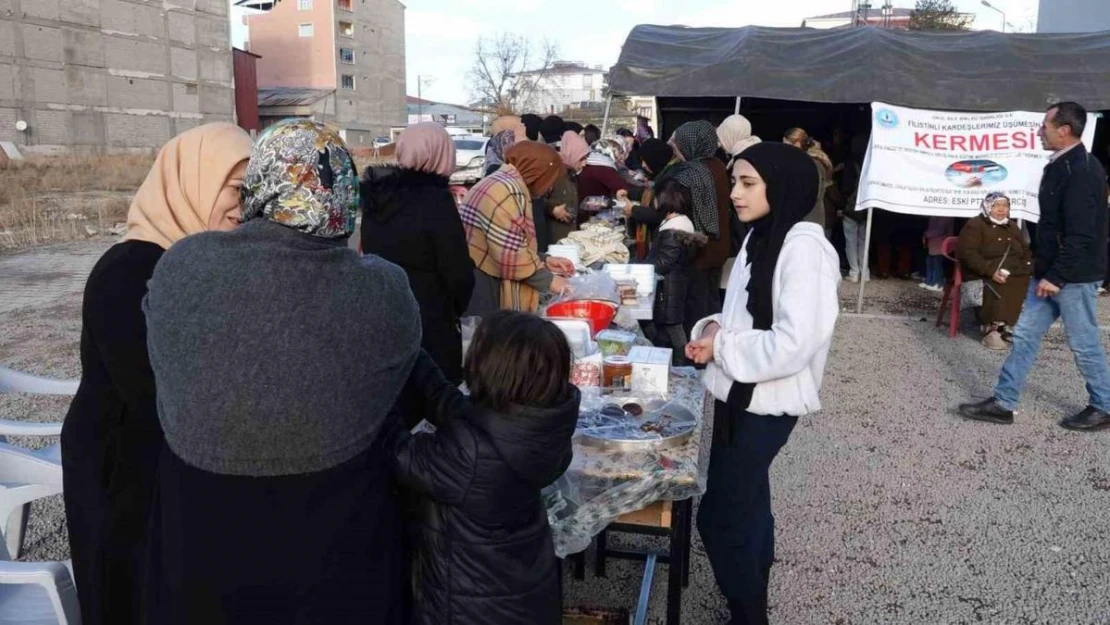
(605, 122)
(736, 111)
(865, 262)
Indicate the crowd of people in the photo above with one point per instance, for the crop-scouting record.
(241, 448)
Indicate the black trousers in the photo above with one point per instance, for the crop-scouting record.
(735, 519)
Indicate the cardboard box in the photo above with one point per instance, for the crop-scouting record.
(651, 370)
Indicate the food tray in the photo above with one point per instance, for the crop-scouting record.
(624, 432)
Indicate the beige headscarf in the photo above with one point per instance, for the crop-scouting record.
(735, 134)
(509, 122)
(180, 192)
(426, 147)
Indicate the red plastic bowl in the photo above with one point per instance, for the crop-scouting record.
(598, 313)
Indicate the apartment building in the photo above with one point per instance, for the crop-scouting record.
(339, 61)
(77, 75)
(566, 84)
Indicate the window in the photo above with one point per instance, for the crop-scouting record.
(347, 81)
(473, 145)
(347, 56)
(346, 5)
(304, 5)
(304, 30)
(587, 81)
(346, 29)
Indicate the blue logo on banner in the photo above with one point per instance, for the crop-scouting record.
(887, 118)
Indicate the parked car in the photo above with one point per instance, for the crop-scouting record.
(383, 141)
(470, 159)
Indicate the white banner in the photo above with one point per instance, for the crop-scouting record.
(943, 164)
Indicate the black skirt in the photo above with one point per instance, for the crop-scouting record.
(303, 549)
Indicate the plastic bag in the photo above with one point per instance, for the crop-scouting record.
(971, 294)
(598, 286)
(468, 326)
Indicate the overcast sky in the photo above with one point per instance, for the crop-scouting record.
(440, 34)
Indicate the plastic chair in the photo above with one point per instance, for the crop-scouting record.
(12, 381)
(39, 593)
(952, 288)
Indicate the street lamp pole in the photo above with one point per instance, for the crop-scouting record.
(1000, 12)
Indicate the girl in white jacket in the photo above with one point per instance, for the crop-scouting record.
(765, 357)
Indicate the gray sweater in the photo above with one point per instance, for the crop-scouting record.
(275, 352)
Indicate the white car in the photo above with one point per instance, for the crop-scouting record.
(470, 159)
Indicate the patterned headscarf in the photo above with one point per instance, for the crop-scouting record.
(988, 203)
(696, 177)
(608, 152)
(696, 140)
(498, 145)
(301, 176)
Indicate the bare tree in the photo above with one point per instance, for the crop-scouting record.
(508, 71)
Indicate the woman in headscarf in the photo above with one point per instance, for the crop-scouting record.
(498, 145)
(278, 355)
(800, 139)
(697, 142)
(504, 132)
(735, 135)
(409, 218)
(564, 198)
(552, 129)
(765, 357)
(111, 437)
(995, 250)
(532, 124)
(498, 217)
(601, 175)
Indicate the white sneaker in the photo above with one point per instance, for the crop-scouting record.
(853, 279)
(924, 286)
(935, 288)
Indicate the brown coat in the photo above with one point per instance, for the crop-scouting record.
(983, 245)
(716, 253)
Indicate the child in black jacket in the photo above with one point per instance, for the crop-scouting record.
(484, 553)
(673, 251)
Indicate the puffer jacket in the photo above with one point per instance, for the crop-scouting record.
(484, 551)
(673, 254)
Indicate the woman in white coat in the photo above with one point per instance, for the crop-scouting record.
(765, 357)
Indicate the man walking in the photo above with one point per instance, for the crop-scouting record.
(1070, 264)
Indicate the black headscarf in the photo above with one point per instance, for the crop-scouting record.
(531, 125)
(552, 129)
(574, 127)
(656, 153)
(792, 179)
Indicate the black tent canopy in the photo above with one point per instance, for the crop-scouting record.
(965, 71)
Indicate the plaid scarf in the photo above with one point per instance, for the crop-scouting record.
(501, 235)
(696, 177)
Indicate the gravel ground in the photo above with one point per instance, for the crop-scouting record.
(890, 509)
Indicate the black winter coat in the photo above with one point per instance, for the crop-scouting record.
(673, 253)
(1071, 235)
(484, 551)
(411, 220)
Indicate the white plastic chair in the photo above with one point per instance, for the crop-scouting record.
(32, 593)
(12, 381)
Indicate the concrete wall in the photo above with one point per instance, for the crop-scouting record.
(1073, 16)
(115, 74)
(289, 60)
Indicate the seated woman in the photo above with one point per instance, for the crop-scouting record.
(278, 354)
(499, 219)
(994, 249)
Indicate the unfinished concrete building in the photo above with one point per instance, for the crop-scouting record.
(90, 75)
(338, 61)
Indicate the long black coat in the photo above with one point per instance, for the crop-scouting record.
(111, 438)
(484, 548)
(673, 254)
(411, 220)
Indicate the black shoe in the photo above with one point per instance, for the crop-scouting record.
(989, 411)
(1090, 420)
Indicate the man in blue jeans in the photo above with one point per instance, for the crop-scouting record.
(1070, 264)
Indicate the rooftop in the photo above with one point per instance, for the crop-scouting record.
(566, 67)
(291, 96)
